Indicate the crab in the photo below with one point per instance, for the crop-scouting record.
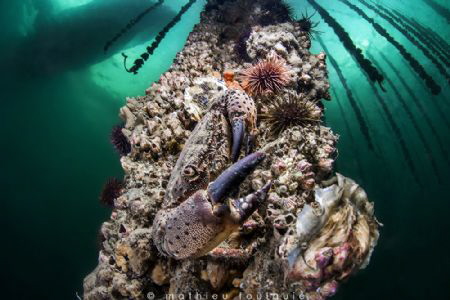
(198, 213)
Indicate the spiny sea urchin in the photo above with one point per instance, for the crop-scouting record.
(290, 110)
(274, 12)
(307, 25)
(100, 239)
(267, 77)
(120, 141)
(240, 47)
(110, 191)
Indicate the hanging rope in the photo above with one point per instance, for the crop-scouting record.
(130, 25)
(138, 63)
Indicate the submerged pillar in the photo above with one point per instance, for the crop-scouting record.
(314, 229)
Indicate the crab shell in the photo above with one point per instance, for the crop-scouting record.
(196, 214)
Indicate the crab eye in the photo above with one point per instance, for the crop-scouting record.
(190, 172)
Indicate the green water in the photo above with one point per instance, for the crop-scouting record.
(57, 113)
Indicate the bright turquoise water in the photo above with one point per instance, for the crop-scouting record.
(57, 113)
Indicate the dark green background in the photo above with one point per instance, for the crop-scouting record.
(56, 116)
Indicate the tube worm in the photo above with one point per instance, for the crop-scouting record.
(439, 9)
(413, 40)
(419, 106)
(138, 63)
(431, 84)
(422, 36)
(365, 64)
(357, 110)
(412, 119)
(130, 25)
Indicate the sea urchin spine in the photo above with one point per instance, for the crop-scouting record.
(307, 25)
(120, 141)
(275, 11)
(291, 110)
(111, 190)
(267, 77)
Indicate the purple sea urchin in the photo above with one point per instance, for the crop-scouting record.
(100, 239)
(120, 141)
(291, 110)
(266, 77)
(240, 47)
(111, 190)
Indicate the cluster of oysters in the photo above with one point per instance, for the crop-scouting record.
(316, 227)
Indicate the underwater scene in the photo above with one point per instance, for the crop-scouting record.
(225, 149)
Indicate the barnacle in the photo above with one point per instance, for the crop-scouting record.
(111, 190)
(265, 77)
(340, 239)
(290, 110)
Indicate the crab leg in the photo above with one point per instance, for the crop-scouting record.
(220, 188)
(250, 143)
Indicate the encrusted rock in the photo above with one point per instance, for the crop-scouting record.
(315, 229)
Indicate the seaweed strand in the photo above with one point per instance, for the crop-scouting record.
(354, 104)
(396, 131)
(412, 119)
(383, 104)
(421, 35)
(389, 122)
(138, 63)
(349, 132)
(438, 40)
(356, 52)
(439, 9)
(419, 105)
(413, 40)
(431, 84)
(130, 25)
(437, 105)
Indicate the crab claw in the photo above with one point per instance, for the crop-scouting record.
(250, 143)
(220, 188)
(208, 217)
(245, 206)
(241, 111)
(238, 136)
(241, 136)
